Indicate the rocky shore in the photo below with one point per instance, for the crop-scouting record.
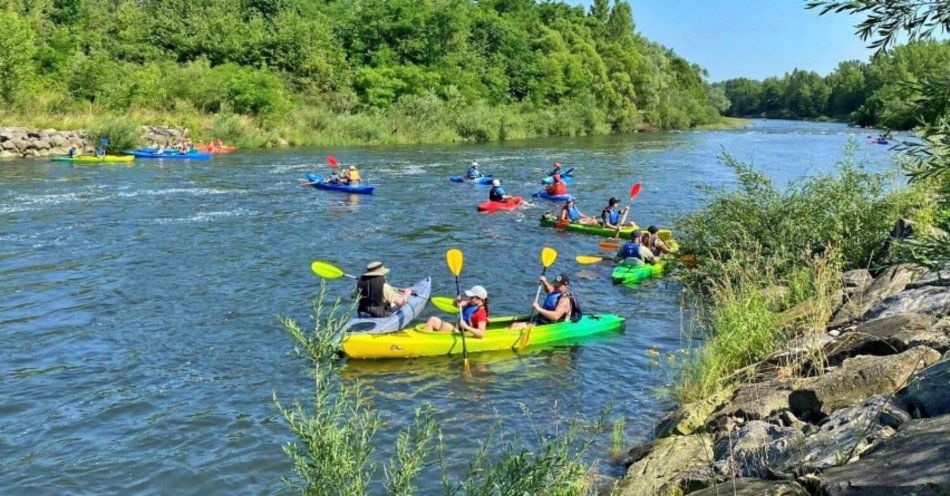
(862, 408)
(20, 142)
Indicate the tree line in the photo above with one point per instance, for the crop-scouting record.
(262, 57)
(876, 93)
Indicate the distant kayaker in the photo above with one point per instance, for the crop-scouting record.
(497, 193)
(217, 143)
(352, 176)
(656, 244)
(558, 306)
(634, 249)
(556, 170)
(376, 298)
(558, 187)
(611, 216)
(473, 172)
(570, 213)
(73, 152)
(474, 314)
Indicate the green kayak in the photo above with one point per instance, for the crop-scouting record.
(632, 271)
(547, 220)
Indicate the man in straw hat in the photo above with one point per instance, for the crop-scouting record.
(376, 297)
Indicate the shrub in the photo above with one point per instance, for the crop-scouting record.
(123, 133)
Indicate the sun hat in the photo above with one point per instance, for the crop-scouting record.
(376, 269)
(478, 291)
(496, 182)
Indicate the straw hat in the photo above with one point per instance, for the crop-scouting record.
(375, 269)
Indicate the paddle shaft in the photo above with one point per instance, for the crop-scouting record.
(538, 294)
(458, 292)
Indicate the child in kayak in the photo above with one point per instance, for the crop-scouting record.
(473, 172)
(558, 187)
(570, 213)
(635, 250)
(497, 193)
(558, 306)
(474, 314)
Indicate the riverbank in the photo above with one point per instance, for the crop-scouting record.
(426, 121)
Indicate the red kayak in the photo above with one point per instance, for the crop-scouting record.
(509, 204)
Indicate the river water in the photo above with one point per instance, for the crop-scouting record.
(139, 342)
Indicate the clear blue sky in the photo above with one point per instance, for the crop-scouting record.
(748, 38)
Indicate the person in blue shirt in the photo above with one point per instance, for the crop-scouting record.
(570, 213)
(497, 193)
(611, 215)
(635, 250)
(473, 172)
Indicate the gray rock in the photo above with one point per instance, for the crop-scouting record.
(41, 144)
(675, 463)
(750, 450)
(8, 145)
(857, 279)
(889, 282)
(914, 462)
(754, 402)
(928, 393)
(886, 336)
(753, 487)
(931, 300)
(57, 140)
(857, 378)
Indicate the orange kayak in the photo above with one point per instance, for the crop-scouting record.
(216, 149)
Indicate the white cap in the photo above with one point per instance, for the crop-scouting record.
(478, 291)
(474, 163)
(496, 182)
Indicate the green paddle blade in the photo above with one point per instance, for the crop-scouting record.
(326, 270)
(445, 304)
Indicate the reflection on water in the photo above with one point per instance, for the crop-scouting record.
(137, 303)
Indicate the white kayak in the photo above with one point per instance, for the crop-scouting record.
(401, 318)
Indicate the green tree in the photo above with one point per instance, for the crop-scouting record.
(17, 48)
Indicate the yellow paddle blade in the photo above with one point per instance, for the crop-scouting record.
(548, 256)
(326, 270)
(454, 259)
(588, 259)
(445, 304)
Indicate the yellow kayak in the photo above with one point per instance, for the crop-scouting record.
(92, 159)
(416, 342)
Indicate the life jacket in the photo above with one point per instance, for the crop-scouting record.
(467, 313)
(611, 215)
(473, 173)
(371, 296)
(629, 250)
(572, 213)
(551, 301)
(557, 189)
(496, 194)
(354, 175)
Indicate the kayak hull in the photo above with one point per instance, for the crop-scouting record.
(631, 273)
(170, 155)
(484, 180)
(491, 206)
(317, 182)
(91, 159)
(548, 220)
(216, 149)
(555, 198)
(401, 318)
(416, 342)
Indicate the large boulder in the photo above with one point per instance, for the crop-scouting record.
(914, 462)
(857, 378)
(886, 336)
(750, 450)
(753, 487)
(928, 394)
(755, 401)
(856, 280)
(669, 466)
(931, 300)
(691, 417)
(889, 282)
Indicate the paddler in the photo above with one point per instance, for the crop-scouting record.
(376, 298)
(656, 244)
(570, 213)
(634, 249)
(611, 216)
(497, 193)
(473, 172)
(556, 169)
(558, 306)
(474, 314)
(352, 176)
(558, 187)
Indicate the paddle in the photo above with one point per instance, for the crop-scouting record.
(614, 243)
(445, 304)
(548, 256)
(589, 259)
(454, 260)
(331, 161)
(327, 270)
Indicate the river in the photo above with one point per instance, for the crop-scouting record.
(139, 341)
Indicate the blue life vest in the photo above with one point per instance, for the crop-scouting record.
(629, 250)
(467, 313)
(496, 194)
(551, 301)
(614, 216)
(573, 214)
(473, 173)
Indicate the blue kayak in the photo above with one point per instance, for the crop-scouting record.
(317, 182)
(558, 198)
(146, 153)
(550, 180)
(482, 180)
